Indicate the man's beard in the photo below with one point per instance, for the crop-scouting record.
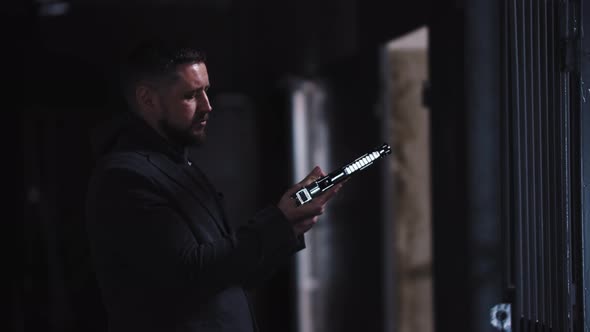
(184, 136)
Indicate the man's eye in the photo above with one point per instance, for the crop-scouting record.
(190, 96)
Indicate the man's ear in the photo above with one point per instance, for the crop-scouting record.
(145, 97)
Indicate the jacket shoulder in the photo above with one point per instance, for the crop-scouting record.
(134, 161)
(132, 164)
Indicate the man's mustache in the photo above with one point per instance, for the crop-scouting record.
(201, 117)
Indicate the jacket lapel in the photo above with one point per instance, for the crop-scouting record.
(199, 176)
(183, 179)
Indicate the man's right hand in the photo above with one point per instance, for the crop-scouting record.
(303, 217)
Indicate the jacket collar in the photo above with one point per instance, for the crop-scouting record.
(141, 136)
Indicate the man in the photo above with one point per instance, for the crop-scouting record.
(165, 255)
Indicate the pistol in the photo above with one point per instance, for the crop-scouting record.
(324, 183)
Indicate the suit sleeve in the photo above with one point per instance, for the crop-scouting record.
(270, 263)
(133, 226)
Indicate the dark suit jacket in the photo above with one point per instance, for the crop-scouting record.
(165, 256)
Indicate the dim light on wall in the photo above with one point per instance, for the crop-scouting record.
(52, 8)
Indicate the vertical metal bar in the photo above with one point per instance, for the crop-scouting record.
(482, 150)
(518, 162)
(512, 199)
(553, 147)
(531, 156)
(567, 236)
(507, 137)
(564, 231)
(527, 156)
(523, 119)
(585, 151)
(546, 217)
(560, 177)
(575, 183)
(555, 163)
(537, 104)
(575, 204)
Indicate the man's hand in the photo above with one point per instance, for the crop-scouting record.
(303, 217)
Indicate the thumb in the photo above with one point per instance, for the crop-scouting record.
(315, 174)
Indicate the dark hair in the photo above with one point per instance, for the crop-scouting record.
(155, 60)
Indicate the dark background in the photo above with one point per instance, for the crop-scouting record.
(59, 70)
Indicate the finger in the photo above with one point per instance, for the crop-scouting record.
(328, 194)
(305, 225)
(320, 172)
(307, 211)
(315, 174)
(317, 171)
(303, 228)
(309, 221)
(312, 176)
(314, 220)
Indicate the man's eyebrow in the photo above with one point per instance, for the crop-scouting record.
(206, 87)
(197, 89)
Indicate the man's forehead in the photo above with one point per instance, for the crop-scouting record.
(198, 65)
(193, 68)
(195, 73)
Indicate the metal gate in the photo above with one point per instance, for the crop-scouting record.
(541, 214)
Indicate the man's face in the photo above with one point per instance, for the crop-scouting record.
(184, 105)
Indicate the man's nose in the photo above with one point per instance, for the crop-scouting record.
(205, 105)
